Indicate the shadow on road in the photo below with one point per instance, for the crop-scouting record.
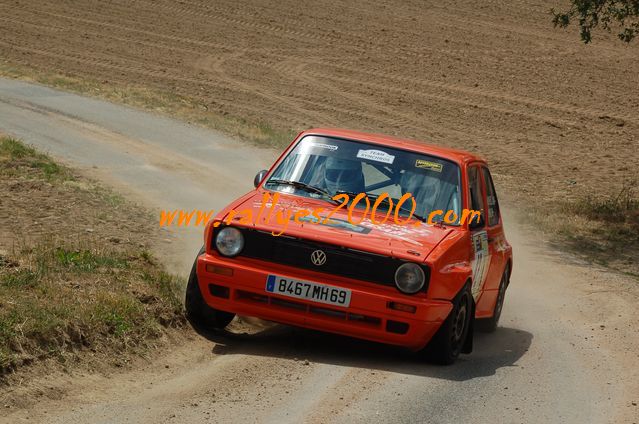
(491, 351)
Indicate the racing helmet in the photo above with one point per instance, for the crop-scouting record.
(343, 174)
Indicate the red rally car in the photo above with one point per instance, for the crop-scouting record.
(361, 235)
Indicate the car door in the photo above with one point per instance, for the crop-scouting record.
(495, 232)
(480, 252)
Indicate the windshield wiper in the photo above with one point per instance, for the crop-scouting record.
(414, 215)
(303, 186)
(351, 194)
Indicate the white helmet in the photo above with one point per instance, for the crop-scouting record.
(343, 174)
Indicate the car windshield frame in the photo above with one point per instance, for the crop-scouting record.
(377, 155)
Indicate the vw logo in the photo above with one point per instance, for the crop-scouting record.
(318, 258)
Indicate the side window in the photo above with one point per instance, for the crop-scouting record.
(491, 197)
(476, 194)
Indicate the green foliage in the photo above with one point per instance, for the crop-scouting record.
(607, 14)
(87, 260)
(15, 149)
(21, 278)
(14, 153)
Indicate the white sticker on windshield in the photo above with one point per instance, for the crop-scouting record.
(376, 155)
(325, 146)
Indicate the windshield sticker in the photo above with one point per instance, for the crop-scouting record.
(376, 155)
(325, 146)
(433, 166)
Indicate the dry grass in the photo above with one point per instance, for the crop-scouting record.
(59, 299)
(599, 229)
(62, 295)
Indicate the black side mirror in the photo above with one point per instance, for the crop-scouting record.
(259, 177)
(475, 224)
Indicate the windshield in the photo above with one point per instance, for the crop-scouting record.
(323, 167)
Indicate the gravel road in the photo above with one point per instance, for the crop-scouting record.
(566, 350)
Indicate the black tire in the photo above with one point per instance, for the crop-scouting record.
(451, 338)
(489, 325)
(201, 316)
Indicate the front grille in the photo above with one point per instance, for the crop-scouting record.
(340, 261)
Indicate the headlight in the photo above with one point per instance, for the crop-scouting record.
(409, 278)
(229, 241)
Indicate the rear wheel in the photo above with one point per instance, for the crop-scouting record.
(489, 325)
(450, 339)
(201, 316)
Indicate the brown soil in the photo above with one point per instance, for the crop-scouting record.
(554, 117)
(35, 210)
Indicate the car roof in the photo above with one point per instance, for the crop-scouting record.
(456, 155)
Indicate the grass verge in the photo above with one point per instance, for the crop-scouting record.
(21, 160)
(64, 291)
(599, 229)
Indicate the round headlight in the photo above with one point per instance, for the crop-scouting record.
(229, 241)
(409, 278)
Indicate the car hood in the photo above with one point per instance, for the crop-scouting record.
(413, 241)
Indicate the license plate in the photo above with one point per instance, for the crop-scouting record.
(316, 292)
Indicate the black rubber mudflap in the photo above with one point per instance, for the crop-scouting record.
(468, 343)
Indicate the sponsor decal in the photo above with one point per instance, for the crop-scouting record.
(480, 261)
(330, 147)
(376, 155)
(425, 164)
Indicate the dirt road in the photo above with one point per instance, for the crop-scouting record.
(566, 351)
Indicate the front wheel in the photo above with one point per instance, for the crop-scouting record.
(450, 339)
(200, 315)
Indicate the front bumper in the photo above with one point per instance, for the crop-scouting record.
(368, 316)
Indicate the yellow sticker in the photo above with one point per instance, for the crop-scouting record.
(433, 166)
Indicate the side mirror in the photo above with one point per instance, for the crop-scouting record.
(259, 177)
(475, 224)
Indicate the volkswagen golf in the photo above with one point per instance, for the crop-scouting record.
(361, 235)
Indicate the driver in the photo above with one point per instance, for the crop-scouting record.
(343, 174)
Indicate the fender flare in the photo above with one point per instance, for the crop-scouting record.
(452, 279)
